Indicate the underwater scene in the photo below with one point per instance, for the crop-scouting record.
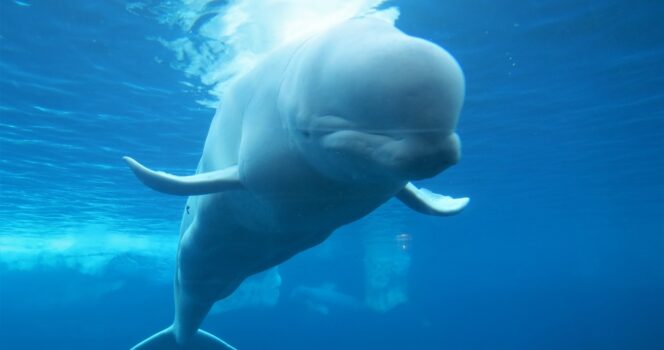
(331, 174)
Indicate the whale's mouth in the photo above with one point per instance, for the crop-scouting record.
(336, 134)
(356, 142)
(358, 151)
(412, 157)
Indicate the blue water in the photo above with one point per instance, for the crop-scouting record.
(561, 247)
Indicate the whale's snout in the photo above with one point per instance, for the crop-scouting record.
(416, 159)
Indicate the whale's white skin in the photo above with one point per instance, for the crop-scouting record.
(316, 136)
(319, 299)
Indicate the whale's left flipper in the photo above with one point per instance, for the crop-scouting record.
(203, 183)
(165, 340)
(427, 202)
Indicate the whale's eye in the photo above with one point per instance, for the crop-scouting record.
(306, 134)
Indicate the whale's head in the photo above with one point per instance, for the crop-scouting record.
(382, 107)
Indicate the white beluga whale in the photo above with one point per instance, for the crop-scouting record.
(317, 135)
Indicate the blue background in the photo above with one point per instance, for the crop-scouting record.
(561, 247)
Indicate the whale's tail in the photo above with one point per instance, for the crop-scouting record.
(165, 340)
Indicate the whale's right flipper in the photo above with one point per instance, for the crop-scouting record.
(427, 202)
(165, 340)
(203, 183)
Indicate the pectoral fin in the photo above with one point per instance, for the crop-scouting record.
(427, 202)
(203, 183)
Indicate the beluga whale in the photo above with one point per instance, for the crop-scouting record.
(318, 134)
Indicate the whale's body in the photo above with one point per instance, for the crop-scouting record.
(317, 135)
